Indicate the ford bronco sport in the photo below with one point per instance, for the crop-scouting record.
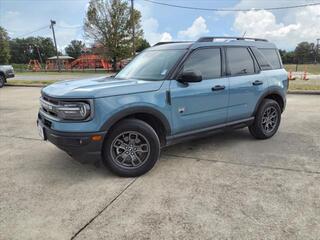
(170, 92)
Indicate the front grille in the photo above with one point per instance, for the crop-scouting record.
(48, 106)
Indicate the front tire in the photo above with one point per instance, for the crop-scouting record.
(2, 81)
(267, 120)
(131, 149)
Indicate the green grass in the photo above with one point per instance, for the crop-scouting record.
(31, 82)
(61, 73)
(310, 68)
(306, 87)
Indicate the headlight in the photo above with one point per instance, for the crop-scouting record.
(73, 110)
(65, 110)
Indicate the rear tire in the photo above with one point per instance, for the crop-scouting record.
(131, 149)
(267, 120)
(2, 81)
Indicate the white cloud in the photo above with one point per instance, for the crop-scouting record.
(285, 28)
(198, 28)
(150, 26)
(166, 37)
(263, 24)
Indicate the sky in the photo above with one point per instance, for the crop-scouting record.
(286, 28)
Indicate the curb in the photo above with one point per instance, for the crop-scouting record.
(306, 92)
(25, 85)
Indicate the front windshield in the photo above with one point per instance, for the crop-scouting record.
(151, 65)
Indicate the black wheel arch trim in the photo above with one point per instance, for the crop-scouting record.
(137, 110)
(271, 91)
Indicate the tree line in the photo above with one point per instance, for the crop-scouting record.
(109, 23)
(304, 53)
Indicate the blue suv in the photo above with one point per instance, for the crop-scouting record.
(170, 92)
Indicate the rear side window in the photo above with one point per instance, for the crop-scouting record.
(206, 61)
(272, 56)
(262, 61)
(240, 61)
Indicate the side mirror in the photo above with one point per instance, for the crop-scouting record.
(190, 76)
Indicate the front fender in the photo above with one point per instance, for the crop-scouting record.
(135, 110)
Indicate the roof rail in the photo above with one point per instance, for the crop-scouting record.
(211, 39)
(162, 43)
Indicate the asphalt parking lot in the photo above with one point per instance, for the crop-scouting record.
(228, 186)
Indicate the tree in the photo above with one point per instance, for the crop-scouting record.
(25, 49)
(142, 44)
(288, 57)
(4, 46)
(305, 52)
(75, 48)
(108, 22)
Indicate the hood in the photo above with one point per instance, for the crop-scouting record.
(99, 87)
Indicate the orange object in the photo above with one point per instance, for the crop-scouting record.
(96, 138)
(290, 76)
(305, 75)
(91, 61)
(34, 65)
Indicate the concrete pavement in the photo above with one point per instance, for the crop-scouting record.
(228, 186)
(40, 76)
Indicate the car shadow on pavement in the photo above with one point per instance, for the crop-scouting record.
(225, 138)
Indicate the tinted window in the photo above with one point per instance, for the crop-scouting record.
(206, 61)
(240, 61)
(263, 63)
(272, 56)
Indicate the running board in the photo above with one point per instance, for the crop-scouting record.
(180, 137)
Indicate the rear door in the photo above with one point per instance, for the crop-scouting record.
(200, 104)
(246, 83)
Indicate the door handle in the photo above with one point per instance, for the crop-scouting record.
(257, 82)
(218, 88)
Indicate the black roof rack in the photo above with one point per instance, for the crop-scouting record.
(211, 39)
(162, 43)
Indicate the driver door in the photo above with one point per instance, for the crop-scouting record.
(200, 104)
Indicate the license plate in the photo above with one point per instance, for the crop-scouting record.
(41, 132)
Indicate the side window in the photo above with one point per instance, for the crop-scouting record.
(240, 61)
(272, 56)
(206, 61)
(263, 62)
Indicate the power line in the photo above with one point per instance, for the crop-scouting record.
(70, 27)
(231, 9)
(47, 26)
(34, 31)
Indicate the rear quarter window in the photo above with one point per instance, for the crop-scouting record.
(272, 56)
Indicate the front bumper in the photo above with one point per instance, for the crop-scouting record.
(78, 145)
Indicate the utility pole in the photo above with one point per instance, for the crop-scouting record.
(133, 29)
(52, 23)
(317, 51)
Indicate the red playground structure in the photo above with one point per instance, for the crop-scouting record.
(90, 61)
(34, 65)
